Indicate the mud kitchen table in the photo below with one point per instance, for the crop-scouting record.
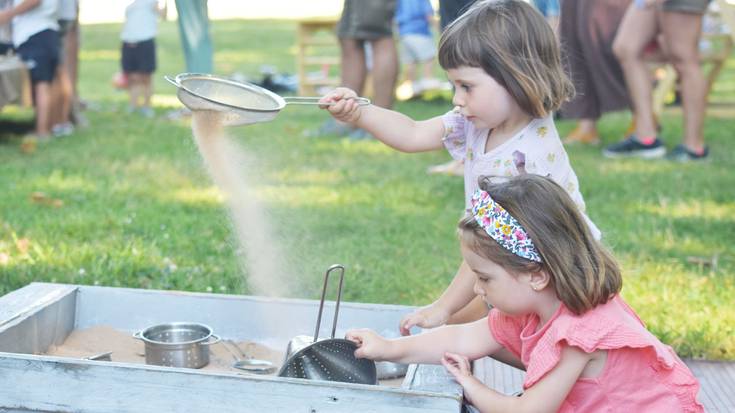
(40, 316)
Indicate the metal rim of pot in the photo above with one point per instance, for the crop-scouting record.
(141, 335)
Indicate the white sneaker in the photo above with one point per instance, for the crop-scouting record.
(62, 129)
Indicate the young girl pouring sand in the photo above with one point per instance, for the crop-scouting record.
(556, 308)
(503, 60)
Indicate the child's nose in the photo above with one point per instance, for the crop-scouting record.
(477, 290)
(457, 100)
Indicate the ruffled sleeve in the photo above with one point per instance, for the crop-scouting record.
(598, 329)
(455, 137)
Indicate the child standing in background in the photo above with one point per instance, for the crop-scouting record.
(556, 308)
(139, 51)
(506, 86)
(414, 18)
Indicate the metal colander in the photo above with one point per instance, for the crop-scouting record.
(241, 103)
(330, 359)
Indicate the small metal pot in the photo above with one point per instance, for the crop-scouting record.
(177, 344)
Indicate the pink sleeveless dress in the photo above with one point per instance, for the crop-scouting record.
(641, 374)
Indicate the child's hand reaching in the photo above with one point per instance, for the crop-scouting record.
(370, 345)
(345, 106)
(459, 367)
(426, 317)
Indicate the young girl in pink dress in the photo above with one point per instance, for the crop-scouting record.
(554, 290)
(504, 62)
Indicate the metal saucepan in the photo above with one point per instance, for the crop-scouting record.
(177, 344)
(241, 103)
(330, 359)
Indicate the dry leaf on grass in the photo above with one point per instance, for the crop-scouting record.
(43, 199)
(28, 145)
(23, 245)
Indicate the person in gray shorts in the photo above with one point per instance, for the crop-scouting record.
(366, 22)
(680, 22)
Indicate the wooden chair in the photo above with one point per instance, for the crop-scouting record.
(316, 56)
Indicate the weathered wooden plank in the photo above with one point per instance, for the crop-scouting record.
(63, 385)
(36, 316)
(717, 380)
(29, 299)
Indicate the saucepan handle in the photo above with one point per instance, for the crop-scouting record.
(304, 100)
(216, 338)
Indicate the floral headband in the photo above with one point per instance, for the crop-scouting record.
(502, 227)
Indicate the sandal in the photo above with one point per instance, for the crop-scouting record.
(577, 136)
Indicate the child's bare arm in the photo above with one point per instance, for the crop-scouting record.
(546, 395)
(390, 127)
(473, 340)
(457, 295)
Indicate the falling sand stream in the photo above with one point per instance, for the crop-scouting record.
(231, 169)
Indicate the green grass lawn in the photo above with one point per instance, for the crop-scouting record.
(138, 209)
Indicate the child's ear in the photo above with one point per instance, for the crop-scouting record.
(539, 280)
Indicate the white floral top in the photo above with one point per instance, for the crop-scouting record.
(536, 149)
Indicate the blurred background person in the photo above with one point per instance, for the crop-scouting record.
(139, 52)
(36, 40)
(6, 33)
(418, 48)
(62, 86)
(680, 24)
(363, 24)
(587, 29)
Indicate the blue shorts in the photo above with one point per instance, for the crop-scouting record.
(139, 57)
(41, 53)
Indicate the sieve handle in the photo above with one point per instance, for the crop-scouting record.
(339, 298)
(172, 81)
(307, 100)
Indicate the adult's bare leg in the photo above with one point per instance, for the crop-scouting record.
(354, 68)
(384, 71)
(42, 93)
(134, 89)
(681, 33)
(64, 96)
(638, 28)
(147, 88)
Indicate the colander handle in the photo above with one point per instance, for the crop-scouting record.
(217, 339)
(138, 335)
(321, 302)
(308, 100)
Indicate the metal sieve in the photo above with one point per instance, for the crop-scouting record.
(241, 103)
(330, 359)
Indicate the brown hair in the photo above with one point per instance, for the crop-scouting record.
(513, 44)
(583, 273)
